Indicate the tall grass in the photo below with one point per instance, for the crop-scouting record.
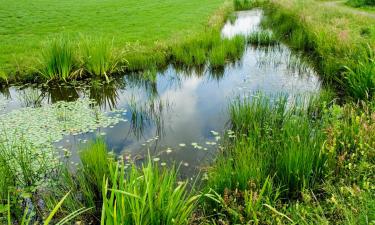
(99, 57)
(262, 38)
(59, 60)
(340, 62)
(85, 184)
(146, 196)
(273, 139)
(360, 79)
(246, 4)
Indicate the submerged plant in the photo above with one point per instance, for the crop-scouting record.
(59, 60)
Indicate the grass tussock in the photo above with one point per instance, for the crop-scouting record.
(59, 60)
(146, 196)
(99, 58)
(247, 4)
(208, 48)
(262, 38)
(274, 140)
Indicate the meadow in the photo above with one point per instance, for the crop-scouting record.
(284, 159)
(27, 27)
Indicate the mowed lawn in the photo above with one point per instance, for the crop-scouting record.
(26, 25)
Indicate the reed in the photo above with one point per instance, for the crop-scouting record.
(273, 139)
(262, 38)
(59, 60)
(99, 57)
(146, 196)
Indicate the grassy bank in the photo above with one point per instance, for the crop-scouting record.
(284, 161)
(65, 56)
(340, 41)
(26, 26)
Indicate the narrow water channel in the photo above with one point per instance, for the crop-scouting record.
(180, 115)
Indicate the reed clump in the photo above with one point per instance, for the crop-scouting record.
(99, 58)
(262, 38)
(273, 140)
(59, 60)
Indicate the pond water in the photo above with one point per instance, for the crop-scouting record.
(180, 115)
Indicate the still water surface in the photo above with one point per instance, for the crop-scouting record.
(176, 116)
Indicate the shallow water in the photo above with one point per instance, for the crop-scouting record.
(176, 116)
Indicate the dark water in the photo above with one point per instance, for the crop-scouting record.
(176, 116)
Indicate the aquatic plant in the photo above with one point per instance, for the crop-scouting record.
(59, 60)
(99, 57)
(360, 79)
(27, 218)
(262, 38)
(217, 57)
(274, 139)
(247, 4)
(84, 183)
(146, 196)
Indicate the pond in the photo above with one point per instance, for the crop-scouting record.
(177, 116)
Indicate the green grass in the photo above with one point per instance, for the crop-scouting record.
(273, 140)
(262, 38)
(146, 196)
(26, 26)
(361, 3)
(335, 37)
(59, 60)
(99, 58)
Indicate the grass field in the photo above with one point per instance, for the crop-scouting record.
(26, 26)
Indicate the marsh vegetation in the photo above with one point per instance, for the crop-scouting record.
(268, 120)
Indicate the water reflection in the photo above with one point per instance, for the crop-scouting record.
(165, 112)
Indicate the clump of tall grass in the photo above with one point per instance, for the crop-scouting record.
(244, 4)
(99, 57)
(59, 60)
(139, 58)
(226, 50)
(217, 57)
(360, 79)
(274, 139)
(146, 196)
(262, 38)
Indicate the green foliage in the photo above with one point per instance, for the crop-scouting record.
(262, 38)
(339, 59)
(273, 139)
(247, 4)
(159, 21)
(85, 184)
(59, 60)
(359, 3)
(99, 57)
(360, 80)
(146, 196)
(27, 215)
